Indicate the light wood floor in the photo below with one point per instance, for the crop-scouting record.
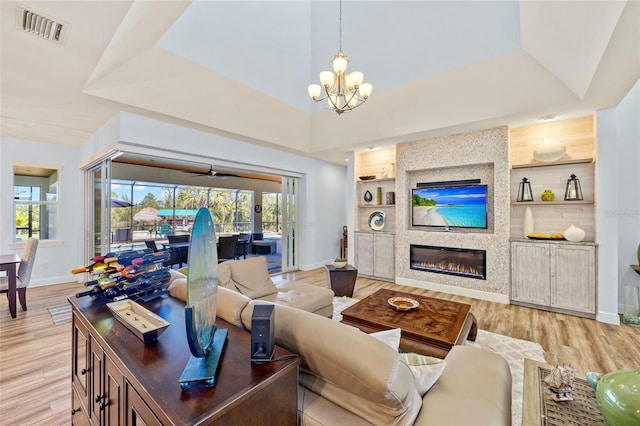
(35, 354)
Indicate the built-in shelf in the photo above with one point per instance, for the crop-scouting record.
(377, 206)
(553, 163)
(547, 203)
(376, 180)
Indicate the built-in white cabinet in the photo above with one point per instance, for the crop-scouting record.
(375, 254)
(554, 275)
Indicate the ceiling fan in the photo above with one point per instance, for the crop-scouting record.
(214, 174)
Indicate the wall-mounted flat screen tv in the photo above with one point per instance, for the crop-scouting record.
(461, 206)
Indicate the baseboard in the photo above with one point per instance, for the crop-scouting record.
(54, 280)
(459, 291)
(608, 317)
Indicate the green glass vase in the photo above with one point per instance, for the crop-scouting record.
(618, 396)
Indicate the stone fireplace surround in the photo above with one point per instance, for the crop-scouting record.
(484, 155)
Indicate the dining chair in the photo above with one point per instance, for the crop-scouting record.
(227, 247)
(174, 254)
(244, 242)
(23, 277)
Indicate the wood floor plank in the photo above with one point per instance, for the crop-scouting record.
(35, 354)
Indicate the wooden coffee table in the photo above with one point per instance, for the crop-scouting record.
(432, 328)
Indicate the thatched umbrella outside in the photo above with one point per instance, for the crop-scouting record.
(148, 214)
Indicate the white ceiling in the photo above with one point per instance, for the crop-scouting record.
(242, 67)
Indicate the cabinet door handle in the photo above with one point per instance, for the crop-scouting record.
(103, 405)
(74, 411)
(98, 398)
(83, 371)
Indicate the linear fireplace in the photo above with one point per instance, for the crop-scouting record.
(452, 261)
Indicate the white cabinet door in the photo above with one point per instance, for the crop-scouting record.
(573, 278)
(364, 253)
(384, 256)
(530, 273)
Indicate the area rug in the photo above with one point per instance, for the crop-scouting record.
(60, 314)
(511, 349)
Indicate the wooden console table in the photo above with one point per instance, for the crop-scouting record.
(117, 379)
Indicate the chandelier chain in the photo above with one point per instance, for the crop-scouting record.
(340, 45)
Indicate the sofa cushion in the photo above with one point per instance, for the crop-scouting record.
(478, 377)
(224, 275)
(347, 367)
(303, 296)
(229, 304)
(251, 277)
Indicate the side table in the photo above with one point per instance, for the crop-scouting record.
(341, 280)
(539, 409)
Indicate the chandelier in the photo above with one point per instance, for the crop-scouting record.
(342, 91)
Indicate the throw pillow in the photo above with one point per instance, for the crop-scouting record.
(251, 277)
(426, 370)
(388, 337)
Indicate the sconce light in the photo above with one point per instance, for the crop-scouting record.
(524, 191)
(573, 191)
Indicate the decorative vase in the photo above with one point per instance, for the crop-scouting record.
(379, 195)
(618, 396)
(574, 234)
(549, 151)
(527, 226)
(631, 305)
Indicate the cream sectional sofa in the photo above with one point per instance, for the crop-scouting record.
(349, 378)
(250, 277)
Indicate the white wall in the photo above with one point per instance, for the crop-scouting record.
(618, 210)
(54, 259)
(322, 192)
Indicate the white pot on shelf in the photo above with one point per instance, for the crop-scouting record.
(574, 234)
(549, 150)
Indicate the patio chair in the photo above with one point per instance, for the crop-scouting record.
(23, 277)
(174, 255)
(227, 248)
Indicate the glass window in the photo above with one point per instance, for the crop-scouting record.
(271, 212)
(35, 199)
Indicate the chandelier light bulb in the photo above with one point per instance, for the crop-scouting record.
(355, 78)
(365, 90)
(314, 91)
(326, 78)
(340, 63)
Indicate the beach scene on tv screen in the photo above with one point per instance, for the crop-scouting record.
(450, 206)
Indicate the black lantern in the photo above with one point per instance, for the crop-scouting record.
(573, 191)
(524, 191)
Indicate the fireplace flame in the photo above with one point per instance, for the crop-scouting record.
(448, 267)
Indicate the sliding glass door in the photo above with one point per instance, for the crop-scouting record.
(97, 223)
(289, 223)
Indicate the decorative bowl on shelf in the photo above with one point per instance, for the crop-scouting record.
(557, 236)
(403, 303)
(367, 177)
(339, 263)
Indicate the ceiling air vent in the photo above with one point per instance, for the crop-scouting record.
(41, 25)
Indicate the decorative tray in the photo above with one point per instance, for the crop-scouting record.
(367, 177)
(146, 325)
(544, 237)
(403, 303)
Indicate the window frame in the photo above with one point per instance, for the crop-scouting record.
(57, 241)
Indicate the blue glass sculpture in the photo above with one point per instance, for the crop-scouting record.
(206, 343)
